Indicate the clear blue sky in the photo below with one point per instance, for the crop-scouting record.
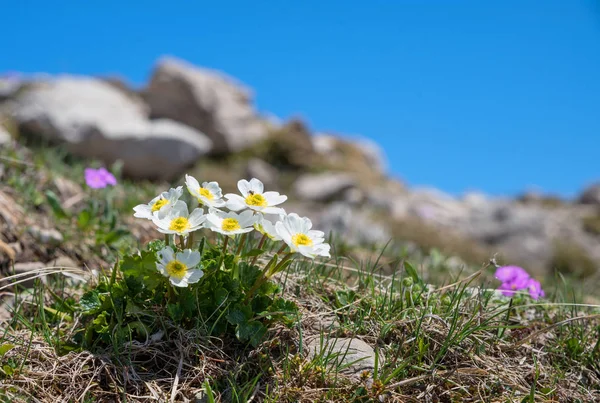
(497, 96)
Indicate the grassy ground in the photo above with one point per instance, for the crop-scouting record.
(440, 333)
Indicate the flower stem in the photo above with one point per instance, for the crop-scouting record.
(181, 242)
(241, 244)
(167, 239)
(224, 251)
(263, 275)
(260, 245)
(190, 240)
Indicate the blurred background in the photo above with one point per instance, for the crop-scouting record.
(466, 127)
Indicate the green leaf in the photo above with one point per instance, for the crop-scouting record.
(5, 348)
(412, 272)
(239, 314)
(55, 205)
(253, 253)
(83, 219)
(90, 302)
(252, 331)
(115, 236)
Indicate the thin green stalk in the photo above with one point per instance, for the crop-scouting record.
(224, 252)
(113, 275)
(190, 240)
(260, 245)
(167, 239)
(181, 242)
(264, 274)
(241, 244)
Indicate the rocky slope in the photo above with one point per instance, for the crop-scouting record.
(190, 118)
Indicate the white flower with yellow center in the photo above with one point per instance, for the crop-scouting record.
(180, 266)
(297, 234)
(265, 224)
(160, 205)
(255, 198)
(231, 223)
(209, 194)
(179, 221)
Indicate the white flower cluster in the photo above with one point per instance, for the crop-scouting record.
(254, 209)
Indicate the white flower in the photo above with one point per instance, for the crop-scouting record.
(255, 198)
(266, 225)
(296, 232)
(179, 221)
(179, 267)
(230, 223)
(160, 205)
(209, 194)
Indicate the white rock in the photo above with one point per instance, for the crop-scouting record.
(206, 100)
(265, 172)
(354, 355)
(323, 186)
(5, 136)
(97, 120)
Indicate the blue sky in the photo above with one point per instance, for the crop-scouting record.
(498, 96)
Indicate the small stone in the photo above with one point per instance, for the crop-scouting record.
(48, 237)
(354, 355)
(5, 136)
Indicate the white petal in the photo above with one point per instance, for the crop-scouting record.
(197, 217)
(179, 282)
(244, 187)
(306, 224)
(314, 234)
(193, 276)
(192, 185)
(272, 210)
(166, 255)
(216, 203)
(247, 218)
(274, 198)
(284, 233)
(143, 211)
(235, 202)
(307, 251)
(214, 188)
(214, 220)
(256, 186)
(179, 209)
(189, 257)
(162, 269)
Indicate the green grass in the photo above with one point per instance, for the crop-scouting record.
(440, 333)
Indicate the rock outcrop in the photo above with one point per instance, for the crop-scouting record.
(206, 100)
(96, 120)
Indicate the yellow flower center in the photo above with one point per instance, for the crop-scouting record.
(206, 193)
(158, 204)
(230, 224)
(179, 224)
(255, 199)
(176, 269)
(302, 240)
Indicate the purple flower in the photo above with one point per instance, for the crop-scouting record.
(99, 178)
(535, 289)
(515, 278)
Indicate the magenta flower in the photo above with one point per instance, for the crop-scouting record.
(99, 178)
(535, 289)
(515, 278)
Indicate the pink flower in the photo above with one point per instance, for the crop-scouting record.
(99, 178)
(515, 278)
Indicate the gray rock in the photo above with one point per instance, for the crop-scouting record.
(354, 354)
(47, 237)
(373, 153)
(323, 187)
(265, 172)
(5, 136)
(591, 195)
(356, 226)
(96, 120)
(207, 101)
